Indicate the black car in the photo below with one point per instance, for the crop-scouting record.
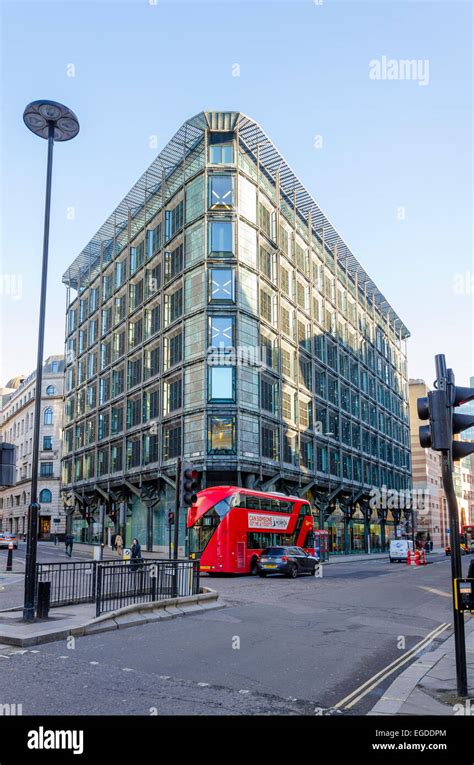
(286, 560)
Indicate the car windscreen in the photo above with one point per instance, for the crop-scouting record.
(273, 551)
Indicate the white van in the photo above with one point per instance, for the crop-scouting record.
(399, 549)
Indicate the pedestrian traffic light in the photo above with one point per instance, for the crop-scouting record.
(171, 517)
(189, 484)
(438, 408)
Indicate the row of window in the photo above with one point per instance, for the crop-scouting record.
(143, 449)
(45, 498)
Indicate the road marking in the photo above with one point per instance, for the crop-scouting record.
(435, 591)
(127, 669)
(204, 685)
(165, 677)
(93, 662)
(356, 695)
(243, 691)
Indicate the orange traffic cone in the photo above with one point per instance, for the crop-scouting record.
(417, 557)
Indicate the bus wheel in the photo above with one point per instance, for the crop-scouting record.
(253, 567)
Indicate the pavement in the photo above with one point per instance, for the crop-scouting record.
(428, 686)
(80, 619)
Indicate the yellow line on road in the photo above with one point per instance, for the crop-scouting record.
(370, 684)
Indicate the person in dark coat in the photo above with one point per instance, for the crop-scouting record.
(136, 554)
(69, 541)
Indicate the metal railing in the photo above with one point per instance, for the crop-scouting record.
(112, 584)
(144, 581)
(71, 582)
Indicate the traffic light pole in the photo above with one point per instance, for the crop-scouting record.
(176, 509)
(445, 382)
(456, 571)
(439, 407)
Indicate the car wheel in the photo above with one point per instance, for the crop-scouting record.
(253, 567)
(262, 573)
(293, 572)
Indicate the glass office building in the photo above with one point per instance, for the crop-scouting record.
(218, 315)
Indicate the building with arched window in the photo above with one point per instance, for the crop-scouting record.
(16, 427)
(46, 496)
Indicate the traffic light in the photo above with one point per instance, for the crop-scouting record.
(462, 422)
(438, 408)
(170, 517)
(189, 484)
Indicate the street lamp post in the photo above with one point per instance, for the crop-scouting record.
(53, 122)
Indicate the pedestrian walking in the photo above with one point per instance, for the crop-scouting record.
(112, 541)
(136, 555)
(69, 541)
(119, 544)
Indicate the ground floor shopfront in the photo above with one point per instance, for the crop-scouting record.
(364, 531)
(351, 526)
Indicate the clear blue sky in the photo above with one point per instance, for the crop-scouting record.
(142, 69)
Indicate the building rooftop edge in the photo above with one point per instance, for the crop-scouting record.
(253, 135)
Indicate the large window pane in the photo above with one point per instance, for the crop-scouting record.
(221, 383)
(222, 331)
(221, 285)
(222, 434)
(220, 192)
(220, 238)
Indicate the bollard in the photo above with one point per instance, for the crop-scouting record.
(408, 557)
(42, 606)
(10, 557)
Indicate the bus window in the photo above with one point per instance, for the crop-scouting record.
(203, 529)
(251, 503)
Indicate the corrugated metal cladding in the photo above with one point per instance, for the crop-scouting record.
(221, 120)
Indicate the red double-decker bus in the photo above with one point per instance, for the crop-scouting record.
(229, 527)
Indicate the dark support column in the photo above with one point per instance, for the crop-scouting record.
(347, 539)
(382, 534)
(149, 525)
(366, 531)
